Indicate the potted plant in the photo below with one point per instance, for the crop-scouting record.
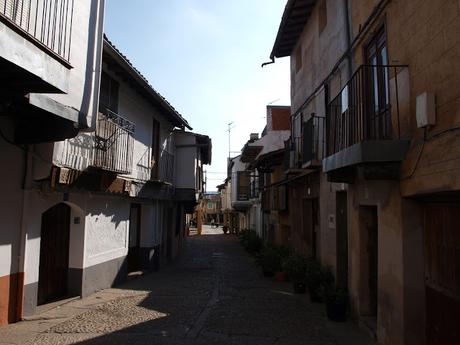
(337, 304)
(295, 267)
(269, 261)
(283, 253)
(251, 241)
(318, 280)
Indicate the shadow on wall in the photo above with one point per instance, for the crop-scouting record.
(108, 211)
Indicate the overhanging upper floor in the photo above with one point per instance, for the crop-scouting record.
(35, 46)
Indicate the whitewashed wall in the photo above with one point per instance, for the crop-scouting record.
(186, 161)
(36, 204)
(85, 58)
(107, 229)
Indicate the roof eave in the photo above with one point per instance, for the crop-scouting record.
(179, 121)
(297, 25)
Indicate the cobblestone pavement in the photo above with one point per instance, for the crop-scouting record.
(214, 294)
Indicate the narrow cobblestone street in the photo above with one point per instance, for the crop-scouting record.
(214, 294)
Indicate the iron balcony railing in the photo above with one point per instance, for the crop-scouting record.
(113, 143)
(49, 22)
(254, 189)
(363, 109)
(313, 139)
(309, 146)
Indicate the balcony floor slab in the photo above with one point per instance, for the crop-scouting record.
(373, 151)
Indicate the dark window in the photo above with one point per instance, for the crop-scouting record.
(243, 186)
(379, 98)
(108, 98)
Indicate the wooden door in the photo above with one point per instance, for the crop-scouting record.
(134, 238)
(342, 239)
(54, 254)
(442, 273)
(310, 225)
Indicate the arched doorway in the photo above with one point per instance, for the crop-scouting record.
(54, 254)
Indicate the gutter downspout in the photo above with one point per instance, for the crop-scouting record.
(349, 54)
(272, 58)
(98, 64)
(23, 233)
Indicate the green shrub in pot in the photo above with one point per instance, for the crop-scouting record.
(319, 279)
(295, 267)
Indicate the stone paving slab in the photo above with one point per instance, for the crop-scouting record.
(214, 294)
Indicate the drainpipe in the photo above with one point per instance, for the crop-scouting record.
(22, 231)
(349, 52)
(269, 63)
(96, 60)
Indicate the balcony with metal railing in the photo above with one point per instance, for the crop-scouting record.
(307, 149)
(363, 125)
(313, 138)
(48, 23)
(113, 143)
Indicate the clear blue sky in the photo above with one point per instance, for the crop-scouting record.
(204, 56)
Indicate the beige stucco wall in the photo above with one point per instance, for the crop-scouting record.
(320, 53)
(426, 36)
(385, 195)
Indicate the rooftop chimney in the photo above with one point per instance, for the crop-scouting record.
(254, 136)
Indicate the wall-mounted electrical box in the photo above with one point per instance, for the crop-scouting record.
(426, 110)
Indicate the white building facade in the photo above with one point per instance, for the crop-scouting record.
(100, 203)
(49, 91)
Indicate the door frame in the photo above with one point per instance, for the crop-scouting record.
(342, 266)
(48, 225)
(133, 259)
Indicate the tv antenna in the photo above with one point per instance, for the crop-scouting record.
(231, 125)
